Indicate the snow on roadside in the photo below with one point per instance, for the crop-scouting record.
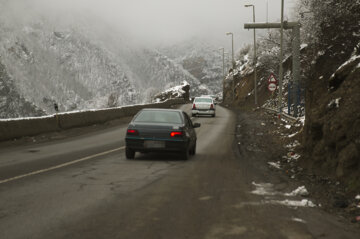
(263, 189)
(300, 191)
(292, 145)
(294, 203)
(298, 220)
(267, 189)
(275, 164)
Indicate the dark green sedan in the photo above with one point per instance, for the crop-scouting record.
(161, 130)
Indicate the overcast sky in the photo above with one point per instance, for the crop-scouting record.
(170, 21)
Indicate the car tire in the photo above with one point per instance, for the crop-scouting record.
(130, 153)
(193, 150)
(193, 115)
(186, 154)
(213, 115)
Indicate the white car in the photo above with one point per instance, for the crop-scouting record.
(203, 106)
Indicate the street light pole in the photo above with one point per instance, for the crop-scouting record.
(255, 58)
(232, 48)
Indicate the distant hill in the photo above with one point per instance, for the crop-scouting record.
(78, 65)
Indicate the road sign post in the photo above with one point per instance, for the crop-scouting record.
(295, 27)
(272, 83)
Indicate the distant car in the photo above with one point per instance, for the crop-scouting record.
(161, 130)
(203, 106)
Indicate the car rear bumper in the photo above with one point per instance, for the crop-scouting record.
(203, 112)
(138, 144)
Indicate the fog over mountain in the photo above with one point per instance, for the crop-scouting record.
(93, 54)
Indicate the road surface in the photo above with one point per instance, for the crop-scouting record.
(83, 187)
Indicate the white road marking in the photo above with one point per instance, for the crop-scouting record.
(60, 165)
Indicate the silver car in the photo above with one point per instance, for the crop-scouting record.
(203, 106)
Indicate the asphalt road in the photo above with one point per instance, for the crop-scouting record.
(83, 187)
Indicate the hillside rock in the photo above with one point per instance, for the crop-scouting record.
(333, 129)
(201, 61)
(177, 92)
(332, 126)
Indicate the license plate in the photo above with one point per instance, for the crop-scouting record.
(154, 144)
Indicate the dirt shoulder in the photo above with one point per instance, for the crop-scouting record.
(280, 139)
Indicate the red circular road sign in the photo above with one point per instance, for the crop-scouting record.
(272, 86)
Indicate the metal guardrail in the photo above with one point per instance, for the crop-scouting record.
(289, 117)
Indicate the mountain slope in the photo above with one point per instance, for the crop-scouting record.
(78, 66)
(201, 60)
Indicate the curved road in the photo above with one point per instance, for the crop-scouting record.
(83, 187)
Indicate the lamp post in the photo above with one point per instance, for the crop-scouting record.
(232, 48)
(255, 60)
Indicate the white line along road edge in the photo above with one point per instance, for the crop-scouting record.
(60, 165)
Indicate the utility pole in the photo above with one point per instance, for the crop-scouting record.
(255, 59)
(295, 26)
(223, 60)
(281, 57)
(233, 62)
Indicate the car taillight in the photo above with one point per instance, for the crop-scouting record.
(176, 134)
(132, 132)
(194, 107)
(211, 106)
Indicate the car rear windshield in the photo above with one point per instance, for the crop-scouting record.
(204, 100)
(153, 116)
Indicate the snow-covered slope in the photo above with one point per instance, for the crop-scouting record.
(78, 66)
(202, 60)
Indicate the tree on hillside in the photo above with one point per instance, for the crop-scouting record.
(325, 22)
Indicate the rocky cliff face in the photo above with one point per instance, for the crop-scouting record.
(177, 92)
(332, 130)
(331, 135)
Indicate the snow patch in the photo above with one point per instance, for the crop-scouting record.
(275, 164)
(263, 189)
(302, 120)
(300, 191)
(303, 45)
(334, 103)
(292, 145)
(298, 220)
(294, 203)
(357, 197)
